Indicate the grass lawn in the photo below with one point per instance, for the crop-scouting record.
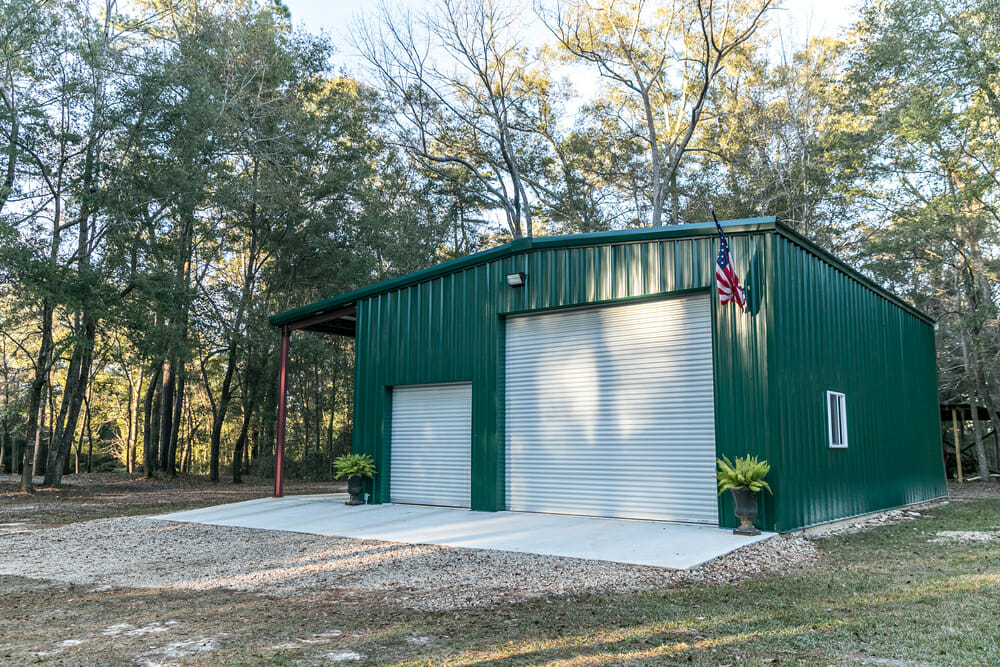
(892, 595)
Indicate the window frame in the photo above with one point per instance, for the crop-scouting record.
(842, 405)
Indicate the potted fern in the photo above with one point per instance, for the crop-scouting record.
(744, 478)
(355, 467)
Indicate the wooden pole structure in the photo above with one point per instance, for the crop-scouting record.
(279, 441)
(958, 443)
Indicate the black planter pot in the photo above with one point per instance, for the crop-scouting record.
(355, 487)
(746, 510)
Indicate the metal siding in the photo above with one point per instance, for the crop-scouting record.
(833, 333)
(743, 372)
(470, 347)
(606, 270)
(616, 404)
(668, 255)
(431, 445)
(808, 324)
(686, 266)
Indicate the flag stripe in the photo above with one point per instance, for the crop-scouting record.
(727, 282)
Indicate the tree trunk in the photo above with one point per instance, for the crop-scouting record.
(79, 446)
(304, 413)
(246, 454)
(269, 419)
(171, 466)
(984, 465)
(320, 408)
(69, 392)
(35, 406)
(980, 395)
(150, 436)
(84, 429)
(77, 384)
(186, 456)
(656, 163)
(133, 424)
(219, 418)
(675, 199)
(166, 412)
(241, 443)
(993, 408)
(90, 435)
(42, 444)
(30, 444)
(12, 154)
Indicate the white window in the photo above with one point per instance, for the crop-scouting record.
(836, 417)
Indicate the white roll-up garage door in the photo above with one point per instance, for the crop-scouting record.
(430, 451)
(610, 412)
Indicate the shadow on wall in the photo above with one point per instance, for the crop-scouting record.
(594, 409)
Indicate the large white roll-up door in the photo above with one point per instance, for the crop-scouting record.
(430, 451)
(610, 412)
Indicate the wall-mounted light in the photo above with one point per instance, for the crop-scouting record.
(516, 279)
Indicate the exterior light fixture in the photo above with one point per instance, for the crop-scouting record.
(516, 279)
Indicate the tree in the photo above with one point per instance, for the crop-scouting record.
(454, 79)
(925, 80)
(43, 149)
(780, 144)
(661, 61)
(94, 59)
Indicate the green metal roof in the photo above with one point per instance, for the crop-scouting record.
(744, 225)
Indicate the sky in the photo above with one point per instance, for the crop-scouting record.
(799, 18)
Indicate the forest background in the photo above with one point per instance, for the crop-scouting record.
(174, 171)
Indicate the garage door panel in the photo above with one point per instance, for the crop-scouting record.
(650, 336)
(431, 445)
(610, 412)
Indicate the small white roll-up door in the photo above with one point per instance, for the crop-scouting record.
(610, 412)
(430, 450)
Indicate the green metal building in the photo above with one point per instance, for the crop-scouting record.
(598, 374)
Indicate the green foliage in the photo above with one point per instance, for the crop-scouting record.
(262, 467)
(210, 169)
(354, 464)
(926, 92)
(101, 463)
(745, 473)
(312, 467)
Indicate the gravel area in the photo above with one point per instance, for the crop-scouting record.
(966, 536)
(141, 552)
(887, 518)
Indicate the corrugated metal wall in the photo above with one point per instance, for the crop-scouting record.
(809, 328)
(743, 389)
(832, 333)
(450, 329)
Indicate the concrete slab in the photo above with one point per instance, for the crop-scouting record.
(657, 543)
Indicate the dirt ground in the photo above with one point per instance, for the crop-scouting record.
(970, 490)
(87, 580)
(100, 495)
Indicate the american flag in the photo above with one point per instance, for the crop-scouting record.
(726, 279)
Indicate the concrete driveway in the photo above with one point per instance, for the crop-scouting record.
(657, 543)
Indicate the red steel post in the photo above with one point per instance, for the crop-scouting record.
(279, 444)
